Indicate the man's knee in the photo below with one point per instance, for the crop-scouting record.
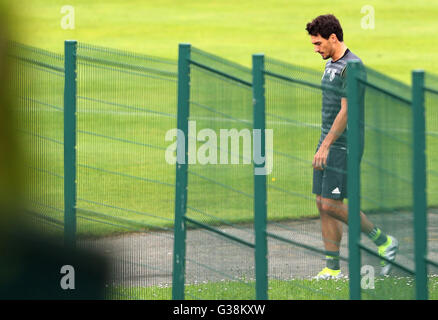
(321, 208)
(330, 206)
(319, 204)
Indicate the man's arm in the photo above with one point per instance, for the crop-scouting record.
(335, 132)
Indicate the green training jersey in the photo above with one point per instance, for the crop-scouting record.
(334, 88)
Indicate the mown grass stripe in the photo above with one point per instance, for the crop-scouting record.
(121, 140)
(126, 106)
(127, 66)
(41, 137)
(41, 103)
(126, 175)
(128, 210)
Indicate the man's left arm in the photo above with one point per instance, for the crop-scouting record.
(338, 127)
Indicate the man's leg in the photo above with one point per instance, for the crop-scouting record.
(330, 186)
(338, 210)
(332, 235)
(331, 228)
(387, 245)
(331, 232)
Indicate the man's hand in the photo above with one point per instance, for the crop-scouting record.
(320, 158)
(338, 127)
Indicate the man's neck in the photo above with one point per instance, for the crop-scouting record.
(339, 52)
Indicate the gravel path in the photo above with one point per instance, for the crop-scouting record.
(145, 259)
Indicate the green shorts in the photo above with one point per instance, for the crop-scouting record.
(331, 182)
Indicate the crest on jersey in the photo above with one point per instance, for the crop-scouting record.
(331, 72)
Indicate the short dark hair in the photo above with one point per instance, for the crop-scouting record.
(325, 25)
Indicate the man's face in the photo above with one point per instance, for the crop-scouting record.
(322, 46)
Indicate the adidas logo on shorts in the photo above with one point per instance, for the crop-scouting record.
(336, 191)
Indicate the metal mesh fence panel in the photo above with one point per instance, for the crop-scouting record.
(125, 189)
(295, 245)
(387, 181)
(431, 106)
(126, 106)
(38, 88)
(219, 217)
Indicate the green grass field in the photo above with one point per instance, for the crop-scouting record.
(399, 43)
(391, 288)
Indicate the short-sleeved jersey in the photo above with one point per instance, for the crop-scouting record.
(334, 88)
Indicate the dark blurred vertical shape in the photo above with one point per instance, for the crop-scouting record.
(32, 265)
(10, 179)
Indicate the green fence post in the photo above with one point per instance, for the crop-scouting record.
(70, 143)
(260, 212)
(419, 186)
(179, 244)
(353, 185)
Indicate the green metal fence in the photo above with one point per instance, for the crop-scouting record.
(125, 105)
(214, 234)
(388, 181)
(95, 141)
(431, 105)
(101, 124)
(295, 247)
(38, 85)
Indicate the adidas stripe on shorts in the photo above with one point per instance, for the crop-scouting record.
(331, 182)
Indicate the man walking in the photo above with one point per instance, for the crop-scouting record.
(330, 160)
